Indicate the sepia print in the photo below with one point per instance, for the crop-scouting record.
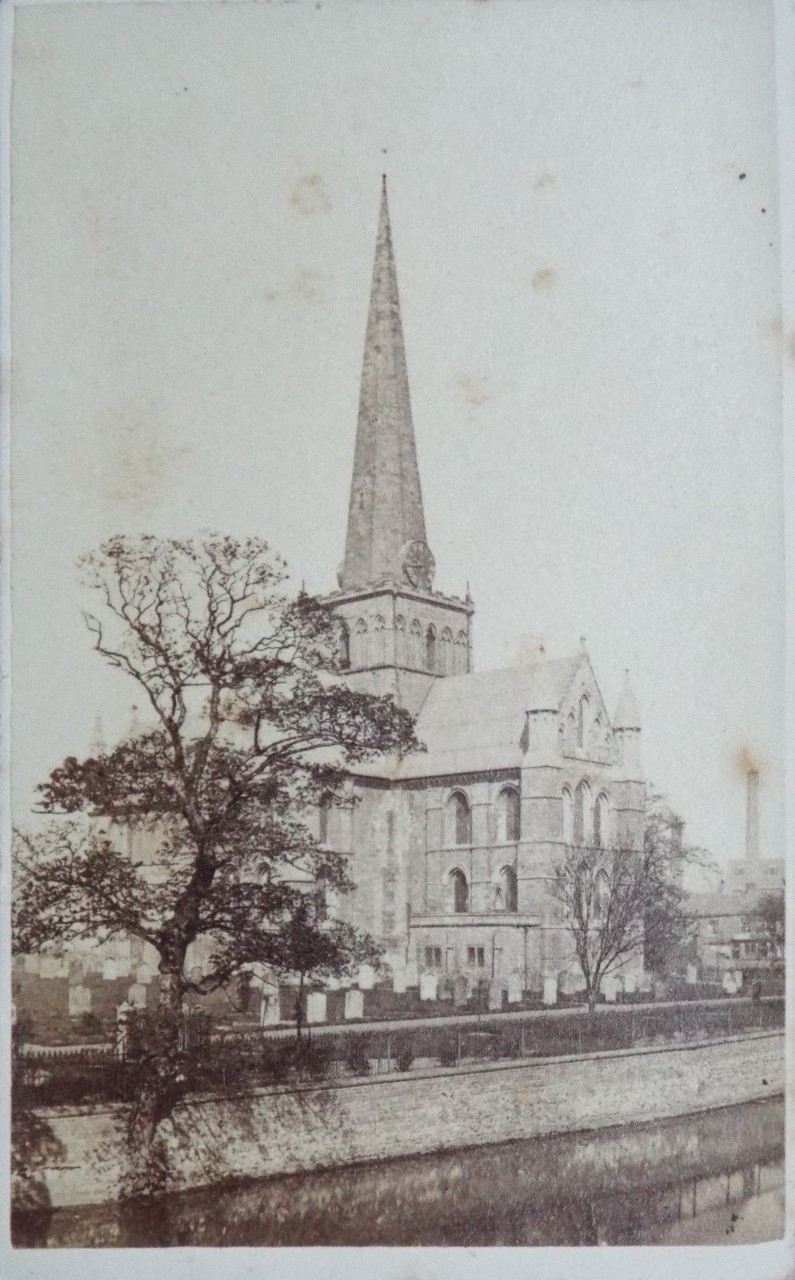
(398, 849)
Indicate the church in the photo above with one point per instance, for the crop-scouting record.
(451, 849)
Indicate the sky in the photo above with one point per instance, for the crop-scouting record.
(584, 212)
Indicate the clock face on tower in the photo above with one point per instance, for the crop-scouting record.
(418, 564)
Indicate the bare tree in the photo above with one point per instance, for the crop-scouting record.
(619, 902)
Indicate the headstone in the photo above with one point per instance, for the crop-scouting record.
(728, 984)
(692, 975)
(630, 984)
(109, 970)
(460, 990)
(354, 1003)
(495, 995)
(738, 978)
(366, 977)
(270, 1010)
(644, 984)
(144, 975)
(428, 986)
(79, 1001)
(514, 988)
(551, 990)
(399, 979)
(50, 967)
(32, 964)
(316, 1006)
(137, 996)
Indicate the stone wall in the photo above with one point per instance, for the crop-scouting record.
(276, 1131)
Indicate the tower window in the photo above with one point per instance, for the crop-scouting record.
(430, 648)
(600, 818)
(460, 888)
(568, 817)
(508, 889)
(582, 797)
(459, 820)
(415, 644)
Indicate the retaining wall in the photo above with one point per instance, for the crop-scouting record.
(274, 1131)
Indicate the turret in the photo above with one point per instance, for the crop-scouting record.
(626, 727)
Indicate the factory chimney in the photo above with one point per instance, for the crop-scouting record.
(752, 818)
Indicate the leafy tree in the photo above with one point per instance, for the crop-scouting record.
(771, 912)
(618, 902)
(251, 727)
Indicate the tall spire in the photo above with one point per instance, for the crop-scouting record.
(386, 524)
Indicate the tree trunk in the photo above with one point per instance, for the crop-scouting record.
(299, 1012)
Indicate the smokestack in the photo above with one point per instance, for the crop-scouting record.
(752, 818)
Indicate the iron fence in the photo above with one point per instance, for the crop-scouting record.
(209, 1062)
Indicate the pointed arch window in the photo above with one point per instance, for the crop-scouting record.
(600, 822)
(448, 661)
(400, 640)
(582, 804)
(459, 820)
(415, 644)
(601, 897)
(344, 644)
(582, 716)
(324, 809)
(568, 816)
(507, 895)
(359, 654)
(379, 640)
(430, 648)
(460, 891)
(508, 816)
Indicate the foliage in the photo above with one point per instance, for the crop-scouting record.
(772, 914)
(618, 902)
(251, 728)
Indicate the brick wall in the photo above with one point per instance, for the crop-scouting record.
(277, 1131)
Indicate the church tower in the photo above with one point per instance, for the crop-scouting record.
(399, 634)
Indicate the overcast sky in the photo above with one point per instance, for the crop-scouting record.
(583, 201)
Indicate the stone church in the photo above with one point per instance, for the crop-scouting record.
(451, 849)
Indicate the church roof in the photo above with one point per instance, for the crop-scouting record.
(386, 511)
(473, 723)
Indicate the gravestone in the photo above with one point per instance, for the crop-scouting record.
(366, 977)
(354, 1003)
(738, 978)
(644, 984)
(137, 995)
(316, 1006)
(728, 984)
(610, 989)
(428, 986)
(79, 1001)
(50, 967)
(550, 995)
(692, 975)
(495, 996)
(270, 1010)
(109, 970)
(630, 984)
(514, 988)
(143, 975)
(460, 990)
(399, 979)
(32, 964)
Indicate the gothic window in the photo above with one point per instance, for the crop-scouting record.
(448, 661)
(459, 820)
(600, 817)
(415, 644)
(508, 895)
(461, 653)
(460, 894)
(601, 896)
(596, 733)
(379, 641)
(430, 648)
(321, 903)
(359, 654)
(508, 816)
(568, 817)
(323, 816)
(582, 800)
(400, 640)
(582, 712)
(344, 644)
(571, 731)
